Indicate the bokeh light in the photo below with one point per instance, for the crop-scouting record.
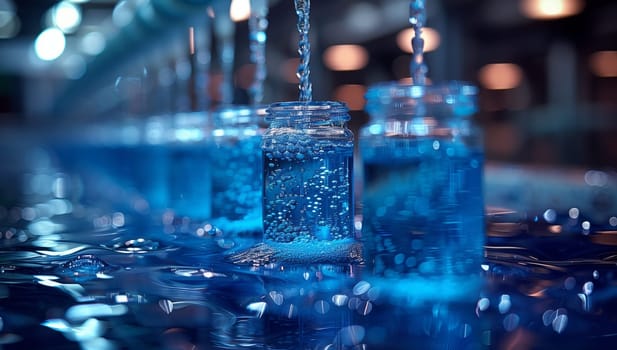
(500, 76)
(240, 10)
(50, 44)
(93, 43)
(352, 95)
(604, 63)
(345, 57)
(66, 16)
(551, 9)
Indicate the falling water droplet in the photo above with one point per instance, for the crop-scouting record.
(417, 18)
(303, 8)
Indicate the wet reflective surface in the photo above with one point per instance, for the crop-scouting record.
(65, 283)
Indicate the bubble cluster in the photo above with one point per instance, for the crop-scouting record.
(307, 189)
(236, 178)
(422, 206)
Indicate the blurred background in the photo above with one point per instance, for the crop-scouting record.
(546, 69)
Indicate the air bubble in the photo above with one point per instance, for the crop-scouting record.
(588, 288)
(550, 215)
(483, 304)
(511, 322)
(361, 288)
(559, 323)
(504, 304)
(322, 307)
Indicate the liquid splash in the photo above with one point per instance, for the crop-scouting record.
(417, 18)
(303, 9)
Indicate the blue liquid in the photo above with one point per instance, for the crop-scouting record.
(130, 178)
(422, 206)
(307, 190)
(236, 178)
(189, 181)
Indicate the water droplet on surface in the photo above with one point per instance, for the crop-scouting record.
(322, 307)
(339, 299)
(350, 336)
(258, 307)
(354, 303)
(559, 323)
(277, 297)
(85, 311)
(365, 308)
(510, 322)
(588, 288)
(483, 304)
(550, 215)
(83, 267)
(504, 304)
(166, 305)
(569, 283)
(361, 288)
(548, 316)
(137, 245)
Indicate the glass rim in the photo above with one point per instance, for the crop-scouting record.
(405, 90)
(308, 106)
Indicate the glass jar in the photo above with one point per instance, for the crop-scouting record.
(308, 173)
(189, 170)
(235, 169)
(422, 200)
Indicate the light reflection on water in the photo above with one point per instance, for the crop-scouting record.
(142, 288)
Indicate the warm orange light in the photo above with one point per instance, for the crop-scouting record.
(240, 10)
(345, 57)
(352, 95)
(604, 64)
(551, 9)
(431, 39)
(500, 76)
(289, 69)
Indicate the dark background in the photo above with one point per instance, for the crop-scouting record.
(560, 114)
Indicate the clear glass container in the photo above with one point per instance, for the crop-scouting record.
(422, 199)
(190, 188)
(236, 169)
(120, 165)
(308, 173)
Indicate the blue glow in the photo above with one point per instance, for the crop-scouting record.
(50, 44)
